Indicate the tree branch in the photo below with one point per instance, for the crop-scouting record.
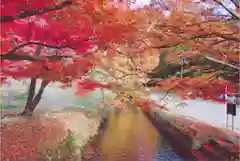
(35, 43)
(236, 3)
(194, 64)
(222, 62)
(232, 12)
(223, 36)
(35, 58)
(180, 42)
(30, 13)
(15, 57)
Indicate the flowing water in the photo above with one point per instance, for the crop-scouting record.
(130, 136)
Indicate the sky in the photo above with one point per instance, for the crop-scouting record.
(217, 9)
(140, 3)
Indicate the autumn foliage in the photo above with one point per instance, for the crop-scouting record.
(56, 40)
(208, 42)
(61, 33)
(65, 41)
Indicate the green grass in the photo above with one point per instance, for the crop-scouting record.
(7, 106)
(21, 97)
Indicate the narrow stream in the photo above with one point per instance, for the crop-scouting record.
(130, 136)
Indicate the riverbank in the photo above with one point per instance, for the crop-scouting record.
(47, 135)
(203, 140)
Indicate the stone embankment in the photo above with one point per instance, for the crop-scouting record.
(202, 140)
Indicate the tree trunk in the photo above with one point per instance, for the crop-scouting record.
(32, 101)
(38, 97)
(31, 92)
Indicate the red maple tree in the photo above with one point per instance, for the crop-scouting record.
(55, 40)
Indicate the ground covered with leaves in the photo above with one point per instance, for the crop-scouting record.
(50, 136)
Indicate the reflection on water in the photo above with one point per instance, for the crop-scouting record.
(129, 136)
(164, 152)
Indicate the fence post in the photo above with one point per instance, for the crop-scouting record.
(9, 93)
(226, 114)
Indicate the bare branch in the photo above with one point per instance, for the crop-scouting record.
(232, 12)
(30, 13)
(236, 3)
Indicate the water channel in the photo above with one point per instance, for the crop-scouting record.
(130, 136)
